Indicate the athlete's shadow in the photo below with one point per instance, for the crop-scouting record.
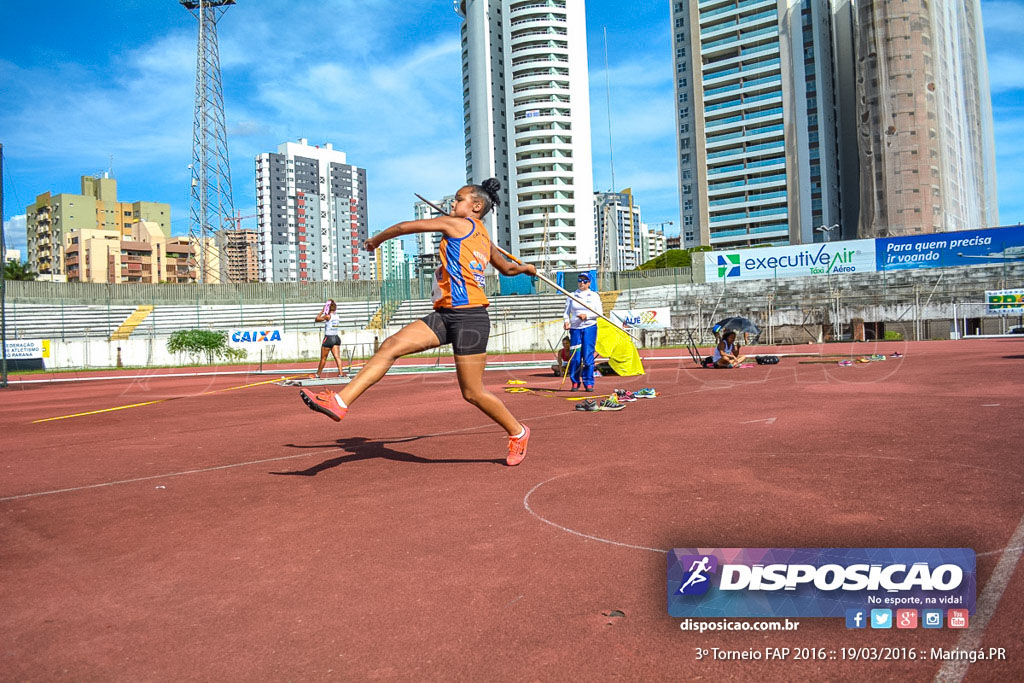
(361, 448)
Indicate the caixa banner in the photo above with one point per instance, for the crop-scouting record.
(255, 336)
(817, 582)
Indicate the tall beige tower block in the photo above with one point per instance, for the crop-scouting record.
(924, 117)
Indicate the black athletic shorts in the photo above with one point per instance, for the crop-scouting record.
(331, 340)
(466, 329)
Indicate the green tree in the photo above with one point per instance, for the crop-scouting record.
(198, 343)
(673, 258)
(17, 270)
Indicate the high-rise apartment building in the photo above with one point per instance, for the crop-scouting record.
(924, 118)
(429, 243)
(311, 215)
(758, 133)
(652, 245)
(389, 261)
(50, 219)
(527, 123)
(620, 231)
(239, 255)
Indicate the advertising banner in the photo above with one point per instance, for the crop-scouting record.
(255, 337)
(819, 582)
(1005, 302)
(27, 349)
(643, 318)
(961, 248)
(821, 259)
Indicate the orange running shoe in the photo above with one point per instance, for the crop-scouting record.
(517, 448)
(325, 402)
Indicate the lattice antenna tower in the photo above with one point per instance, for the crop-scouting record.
(212, 205)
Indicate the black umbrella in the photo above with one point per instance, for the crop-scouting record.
(738, 324)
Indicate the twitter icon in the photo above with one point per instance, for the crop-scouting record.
(881, 618)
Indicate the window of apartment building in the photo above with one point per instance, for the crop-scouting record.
(688, 205)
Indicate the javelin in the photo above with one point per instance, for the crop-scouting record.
(614, 324)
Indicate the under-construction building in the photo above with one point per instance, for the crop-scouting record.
(238, 251)
(927, 160)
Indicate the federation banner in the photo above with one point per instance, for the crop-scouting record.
(27, 349)
(817, 582)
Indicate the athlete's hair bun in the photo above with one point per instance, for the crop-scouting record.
(493, 188)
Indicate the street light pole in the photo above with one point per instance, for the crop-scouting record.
(826, 230)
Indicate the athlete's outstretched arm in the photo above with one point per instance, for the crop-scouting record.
(506, 267)
(449, 225)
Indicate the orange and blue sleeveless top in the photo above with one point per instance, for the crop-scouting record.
(459, 280)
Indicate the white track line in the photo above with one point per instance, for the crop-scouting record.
(419, 367)
(526, 504)
(955, 670)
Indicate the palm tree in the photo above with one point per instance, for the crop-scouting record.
(17, 270)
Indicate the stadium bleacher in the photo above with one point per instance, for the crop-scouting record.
(49, 321)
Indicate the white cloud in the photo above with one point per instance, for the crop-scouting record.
(14, 235)
(1005, 72)
(1002, 19)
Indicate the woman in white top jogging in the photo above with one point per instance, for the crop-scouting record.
(332, 342)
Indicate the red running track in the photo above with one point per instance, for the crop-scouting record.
(237, 536)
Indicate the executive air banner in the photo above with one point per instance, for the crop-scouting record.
(818, 259)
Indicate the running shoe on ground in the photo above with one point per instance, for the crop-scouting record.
(646, 392)
(611, 404)
(575, 386)
(590, 388)
(625, 396)
(588, 406)
(846, 363)
(517, 448)
(325, 402)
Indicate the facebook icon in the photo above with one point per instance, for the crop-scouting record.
(856, 618)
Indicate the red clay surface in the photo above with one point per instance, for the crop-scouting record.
(238, 536)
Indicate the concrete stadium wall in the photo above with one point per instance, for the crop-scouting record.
(507, 337)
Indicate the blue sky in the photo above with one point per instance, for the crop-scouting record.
(381, 79)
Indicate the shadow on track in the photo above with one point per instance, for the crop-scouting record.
(361, 448)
